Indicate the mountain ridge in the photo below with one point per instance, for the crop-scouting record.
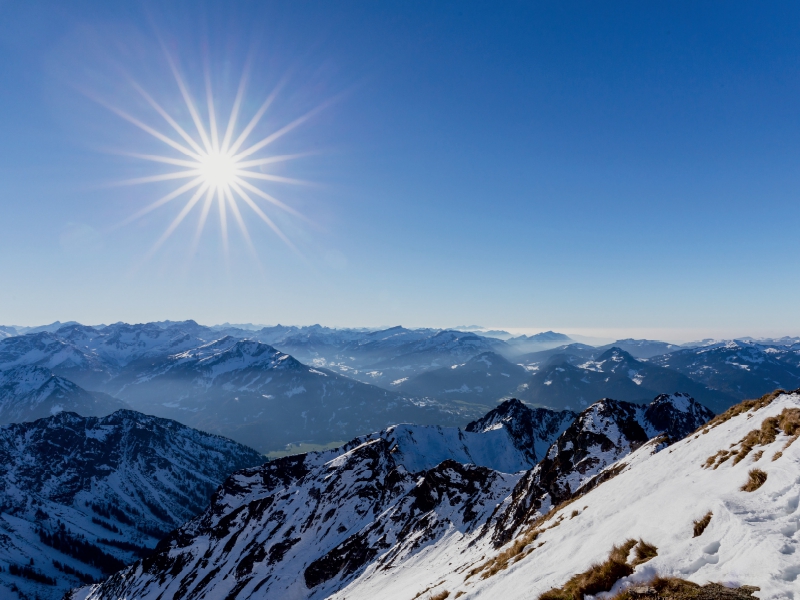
(363, 508)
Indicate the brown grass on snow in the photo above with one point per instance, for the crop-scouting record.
(516, 551)
(743, 407)
(672, 588)
(601, 577)
(787, 422)
(755, 479)
(701, 524)
(441, 595)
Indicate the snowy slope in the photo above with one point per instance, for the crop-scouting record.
(353, 521)
(28, 393)
(752, 537)
(108, 487)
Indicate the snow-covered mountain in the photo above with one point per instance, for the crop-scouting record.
(49, 350)
(28, 393)
(92, 357)
(545, 340)
(8, 331)
(573, 352)
(266, 399)
(566, 382)
(387, 356)
(392, 514)
(82, 497)
(532, 430)
(641, 348)
(737, 368)
(484, 379)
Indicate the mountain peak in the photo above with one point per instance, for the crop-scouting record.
(616, 354)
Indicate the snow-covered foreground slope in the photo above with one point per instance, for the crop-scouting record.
(752, 538)
(94, 494)
(389, 514)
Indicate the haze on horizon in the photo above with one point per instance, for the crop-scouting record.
(609, 171)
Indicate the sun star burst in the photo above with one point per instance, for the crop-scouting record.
(222, 166)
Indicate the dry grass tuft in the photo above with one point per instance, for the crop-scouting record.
(742, 407)
(601, 577)
(777, 455)
(757, 456)
(672, 588)
(644, 552)
(459, 594)
(515, 552)
(700, 526)
(755, 479)
(441, 595)
(787, 422)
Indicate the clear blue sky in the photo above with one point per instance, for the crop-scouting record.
(593, 167)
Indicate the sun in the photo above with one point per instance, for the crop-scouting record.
(222, 165)
(218, 169)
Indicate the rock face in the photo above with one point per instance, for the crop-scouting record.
(380, 501)
(325, 516)
(532, 430)
(95, 494)
(598, 437)
(28, 393)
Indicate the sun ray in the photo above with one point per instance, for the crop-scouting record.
(237, 103)
(223, 220)
(265, 218)
(212, 116)
(167, 160)
(156, 134)
(187, 98)
(162, 201)
(268, 177)
(268, 197)
(280, 133)
(181, 131)
(202, 222)
(238, 216)
(177, 221)
(269, 160)
(163, 177)
(254, 121)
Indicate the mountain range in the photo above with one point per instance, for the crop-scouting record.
(272, 387)
(265, 398)
(430, 512)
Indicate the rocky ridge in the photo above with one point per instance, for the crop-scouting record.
(81, 497)
(374, 505)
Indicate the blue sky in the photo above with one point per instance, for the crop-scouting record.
(602, 168)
